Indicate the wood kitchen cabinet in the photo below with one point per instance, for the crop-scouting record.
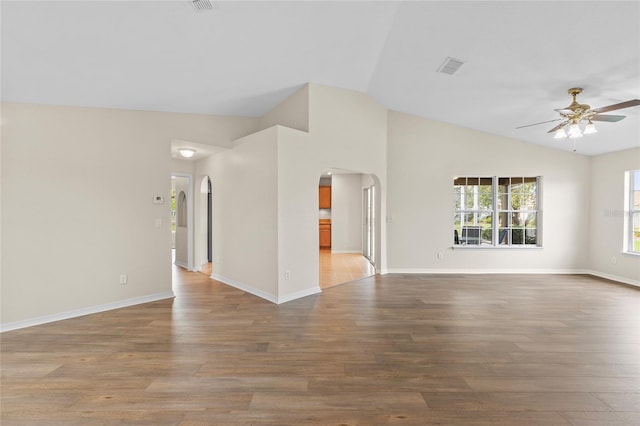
(325, 233)
(324, 197)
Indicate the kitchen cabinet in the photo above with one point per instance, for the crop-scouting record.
(325, 233)
(324, 197)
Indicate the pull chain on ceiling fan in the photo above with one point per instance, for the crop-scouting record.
(577, 119)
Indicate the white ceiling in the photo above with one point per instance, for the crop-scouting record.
(242, 58)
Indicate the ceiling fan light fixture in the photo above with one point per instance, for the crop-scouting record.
(574, 131)
(590, 129)
(187, 152)
(560, 133)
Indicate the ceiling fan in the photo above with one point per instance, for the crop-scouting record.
(578, 118)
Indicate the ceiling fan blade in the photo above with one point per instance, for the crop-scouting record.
(564, 123)
(542, 122)
(609, 118)
(626, 104)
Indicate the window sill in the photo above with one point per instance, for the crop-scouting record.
(487, 247)
(630, 253)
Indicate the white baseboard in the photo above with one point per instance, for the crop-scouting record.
(617, 278)
(483, 271)
(181, 264)
(246, 288)
(84, 311)
(264, 295)
(299, 294)
(611, 277)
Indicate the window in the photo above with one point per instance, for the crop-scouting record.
(496, 211)
(633, 218)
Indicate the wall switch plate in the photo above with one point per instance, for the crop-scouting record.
(123, 279)
(158, 199)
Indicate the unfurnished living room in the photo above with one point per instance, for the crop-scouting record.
(320, 212)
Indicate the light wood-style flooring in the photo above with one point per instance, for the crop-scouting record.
(392, 349)
(339, 268)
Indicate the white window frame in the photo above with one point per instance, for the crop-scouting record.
(630, 210)
(495, 212)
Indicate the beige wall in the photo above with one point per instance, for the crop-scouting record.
(425, 156)
(245, 211)
(346, 213)
(607, 217)
(347, 131)
(77, 211)
(293, 112)
(78, 183)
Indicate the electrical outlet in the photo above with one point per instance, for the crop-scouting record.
(123, 279)
(287, 275)
(440, 255)
(614, 260)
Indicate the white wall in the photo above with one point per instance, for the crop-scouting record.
(293, 112)
(245, 211)
(425, 155)
(607, 216)
(346, 213)
(347, 130)
(77, 210)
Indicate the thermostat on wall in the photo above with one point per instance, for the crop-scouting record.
(158, 199)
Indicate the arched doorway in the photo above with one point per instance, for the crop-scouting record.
(182, 220)
(348, 226)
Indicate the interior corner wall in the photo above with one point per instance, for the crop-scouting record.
(346, 213)
(293, 112)
(607, 210)
(182, 166)
(245, 214)
(77, 205)
(423, 158)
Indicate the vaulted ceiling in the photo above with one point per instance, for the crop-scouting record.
(242, 58)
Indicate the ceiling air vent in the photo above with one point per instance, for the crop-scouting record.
(450, 66)
(201, 5)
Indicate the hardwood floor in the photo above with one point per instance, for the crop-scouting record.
(393, 349)
(207, 269)
(339, 268)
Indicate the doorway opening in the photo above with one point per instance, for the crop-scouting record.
(347, 222)
(181, 221)
(206, 221)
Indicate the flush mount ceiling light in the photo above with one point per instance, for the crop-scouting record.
(187, 152)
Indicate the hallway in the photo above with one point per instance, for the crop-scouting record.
(340, 268)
